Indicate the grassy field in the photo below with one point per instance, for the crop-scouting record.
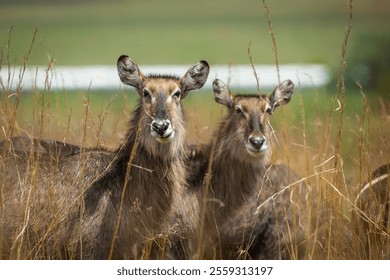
(332, 142)
(306, 129)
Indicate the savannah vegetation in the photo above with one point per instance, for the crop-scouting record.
(332, 137)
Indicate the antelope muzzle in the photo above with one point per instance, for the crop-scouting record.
(256, 145)
(162, 130)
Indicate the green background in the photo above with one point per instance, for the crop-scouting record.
(87, 32)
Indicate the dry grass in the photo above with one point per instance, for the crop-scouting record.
(318, 158)
(313, 146)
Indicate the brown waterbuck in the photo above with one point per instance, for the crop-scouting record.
(372, 218)
(230, 177)
(102, 204)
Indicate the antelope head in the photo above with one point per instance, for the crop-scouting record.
(247, 120)
(161, 95)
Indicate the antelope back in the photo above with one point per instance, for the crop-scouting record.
(374, 196)
(371, 219)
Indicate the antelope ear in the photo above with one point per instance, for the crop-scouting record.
(129, 73)
(195, 77)
(222, 93)
(281, 95)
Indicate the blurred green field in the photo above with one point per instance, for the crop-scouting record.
(180, 32)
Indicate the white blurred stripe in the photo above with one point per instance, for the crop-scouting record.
(106, 77)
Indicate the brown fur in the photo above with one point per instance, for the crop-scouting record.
(373, 225)
(25, 144)
(272, 224)
(100, 204)
(229, 182)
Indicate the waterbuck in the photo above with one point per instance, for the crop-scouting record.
(230, 173)
(372, 223)
(102, 204)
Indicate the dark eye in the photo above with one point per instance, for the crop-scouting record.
(177, 94)
(146, 92)
(238, 110)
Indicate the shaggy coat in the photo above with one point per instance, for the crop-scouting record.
(25, 144)
(231, 177)
(100, 204)
(372, 217)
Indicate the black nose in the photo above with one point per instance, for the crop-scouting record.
(256, 142)
(160, 127)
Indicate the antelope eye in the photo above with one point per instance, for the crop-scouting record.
(238, 109)
(177, 94)
(146, 92)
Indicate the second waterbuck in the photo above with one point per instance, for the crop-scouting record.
(101, 204)
(232, 173)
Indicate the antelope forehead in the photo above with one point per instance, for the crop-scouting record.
(256, 106)
(162, 85)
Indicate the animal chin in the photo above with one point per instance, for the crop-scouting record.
(256, 152)
(166, 138)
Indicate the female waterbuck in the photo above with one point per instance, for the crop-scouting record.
(100, 204)
(231, 172)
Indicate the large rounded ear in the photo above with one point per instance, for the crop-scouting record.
(129, 73)
(195, 77)
(222, 93)
(281, 95)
